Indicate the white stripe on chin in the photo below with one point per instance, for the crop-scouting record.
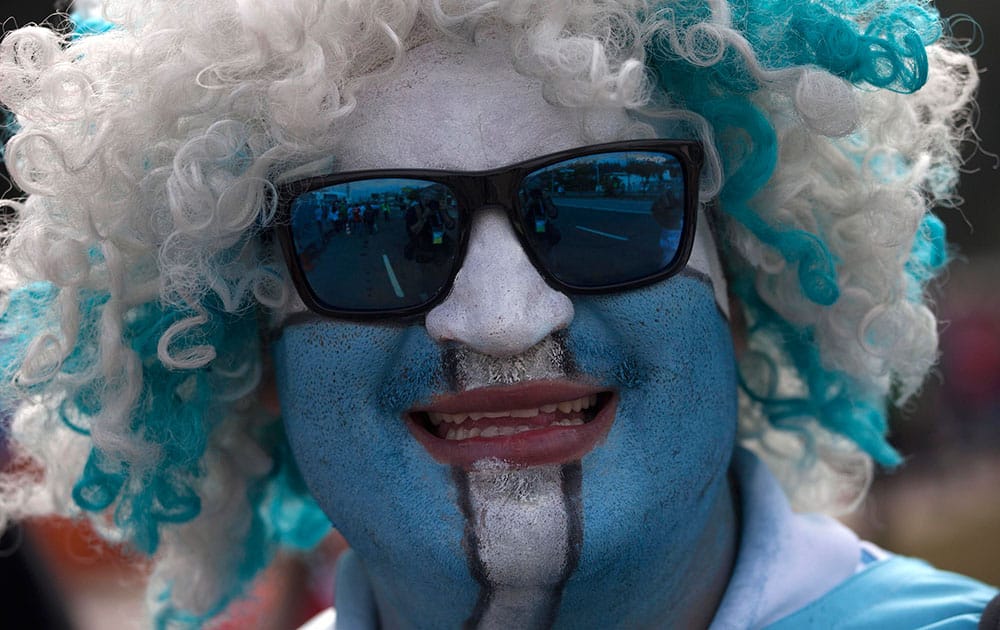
(522, 530)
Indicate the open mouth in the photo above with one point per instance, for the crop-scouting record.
(490, 424)
(526, 424)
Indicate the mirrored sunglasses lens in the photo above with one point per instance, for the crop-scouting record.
(376, 244)
(606, 219)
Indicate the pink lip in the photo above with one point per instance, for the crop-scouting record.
(551, 445)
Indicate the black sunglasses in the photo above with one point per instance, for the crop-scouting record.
(388, 243)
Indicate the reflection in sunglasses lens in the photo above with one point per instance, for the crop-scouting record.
(605, 219)
(376, 244)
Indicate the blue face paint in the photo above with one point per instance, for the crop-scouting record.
(343, 389)
(647, 491)
(650, 489)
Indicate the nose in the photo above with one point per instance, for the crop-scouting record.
(499, 304)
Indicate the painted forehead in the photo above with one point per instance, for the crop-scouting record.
(462, 108)
(457, 107)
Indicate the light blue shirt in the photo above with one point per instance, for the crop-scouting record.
(809, 572)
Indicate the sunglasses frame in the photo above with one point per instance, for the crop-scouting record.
(474, 190)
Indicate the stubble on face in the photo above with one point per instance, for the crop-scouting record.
(466, 369)
(524, 526)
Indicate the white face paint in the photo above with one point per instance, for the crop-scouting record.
(450, 109)
(406, 122)
(499, 310)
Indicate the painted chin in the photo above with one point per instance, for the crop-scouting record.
(530, 424)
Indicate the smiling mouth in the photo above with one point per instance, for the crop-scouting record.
(490, 424)
(527, 424)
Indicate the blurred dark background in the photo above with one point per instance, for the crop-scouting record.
(943, 504)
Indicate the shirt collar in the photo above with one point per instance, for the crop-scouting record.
(785, 560)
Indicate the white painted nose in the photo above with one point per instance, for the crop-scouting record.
(499, 304)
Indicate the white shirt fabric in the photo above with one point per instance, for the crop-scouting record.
(786, 560)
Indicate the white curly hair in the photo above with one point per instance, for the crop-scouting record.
(150, 154)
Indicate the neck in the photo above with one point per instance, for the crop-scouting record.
(709, 567)
(682, 589)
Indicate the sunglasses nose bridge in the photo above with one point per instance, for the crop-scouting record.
(496, 192)
(491, 193)
(499, 305)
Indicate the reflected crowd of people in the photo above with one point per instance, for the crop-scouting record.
(422, 222)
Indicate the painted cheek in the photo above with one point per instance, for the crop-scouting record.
(343, 388)
(648, 488)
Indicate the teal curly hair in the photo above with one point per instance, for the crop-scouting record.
(133, 348)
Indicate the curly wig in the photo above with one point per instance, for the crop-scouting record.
(136, 284)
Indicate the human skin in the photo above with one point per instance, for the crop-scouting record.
(640, 530)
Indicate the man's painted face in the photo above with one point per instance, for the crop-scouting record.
(629, 398)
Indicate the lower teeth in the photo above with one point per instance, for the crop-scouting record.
(490, 432)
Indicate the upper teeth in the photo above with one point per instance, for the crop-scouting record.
(569, 406)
